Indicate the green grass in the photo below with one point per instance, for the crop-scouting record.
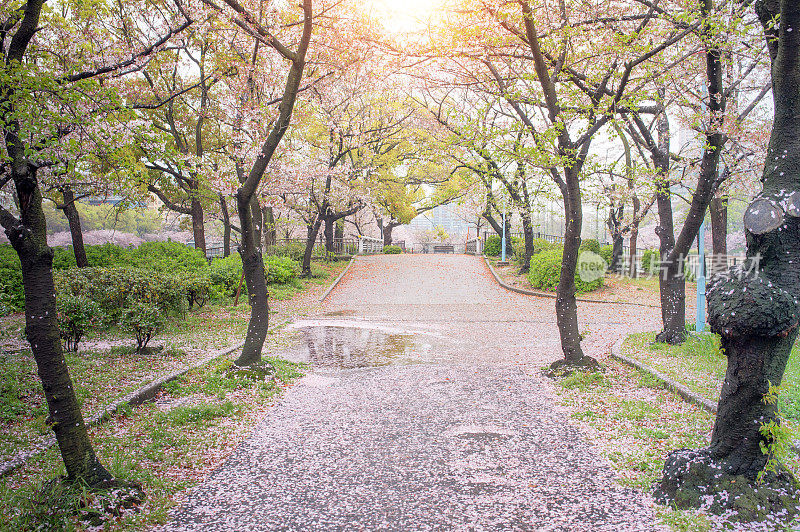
(700, 364)
(164, 448)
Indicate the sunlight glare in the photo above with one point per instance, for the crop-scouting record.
(403, 16)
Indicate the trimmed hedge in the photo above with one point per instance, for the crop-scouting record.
(545, 272)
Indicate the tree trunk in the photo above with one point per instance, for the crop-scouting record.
(256, 280)
(258, 223)
(759, 325)
(270, 232)
(226, 226)
(42, 332)
(617, 250)
(311, 240)
(387, 234)
(75, 230)
(566, 304)
(634, 267)
(672, 288)
(198, 228)
(527, 230)
(328, 232)
(718, 209)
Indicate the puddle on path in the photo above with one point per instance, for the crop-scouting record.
(339, 346)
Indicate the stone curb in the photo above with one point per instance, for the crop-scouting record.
(145, 393)
(338, 279)
(553, 296)
(676, 387)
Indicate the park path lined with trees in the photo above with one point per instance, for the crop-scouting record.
(457, 429)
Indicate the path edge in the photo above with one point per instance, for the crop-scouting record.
(137, 397)
(676, 387)
(338, 279)
(553, 296)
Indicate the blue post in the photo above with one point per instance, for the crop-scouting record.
(701, 279)
(503, 239)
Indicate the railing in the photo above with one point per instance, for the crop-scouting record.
(473, 246)
(368, 244)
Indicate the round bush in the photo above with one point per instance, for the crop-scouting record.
(545, 272)
(392, 250)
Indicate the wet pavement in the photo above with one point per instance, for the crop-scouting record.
(424, 410)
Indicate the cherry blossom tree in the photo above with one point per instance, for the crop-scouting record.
(49, 98)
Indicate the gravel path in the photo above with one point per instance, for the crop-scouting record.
(450, 426)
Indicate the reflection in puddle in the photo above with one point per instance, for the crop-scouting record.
(356, 347)
(345, 312)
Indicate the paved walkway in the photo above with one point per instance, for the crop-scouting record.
(425, 411)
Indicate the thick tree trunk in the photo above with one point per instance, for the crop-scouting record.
(226, 226)
(198, 227)
(311, 240)
(256, 280)
(42, 332)
(75, 230)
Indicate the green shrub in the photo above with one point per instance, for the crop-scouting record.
(225, 273)
(293, 250)
(590, 244)
(492, 245)
(607, 253)
(545, 272)
(117, 289)
(144, 320)
(168, 257)
(77, 314)
(12, 294)
(540, 244)
(280, 269)
(392, 250)
(101, 256)
(198, 287)
(650, 261)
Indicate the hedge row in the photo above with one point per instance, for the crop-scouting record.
(203, 281)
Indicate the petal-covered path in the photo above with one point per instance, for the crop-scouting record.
(450, 426)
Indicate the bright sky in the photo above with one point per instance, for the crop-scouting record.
(403, 16)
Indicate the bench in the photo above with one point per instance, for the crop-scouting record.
(443, 249)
